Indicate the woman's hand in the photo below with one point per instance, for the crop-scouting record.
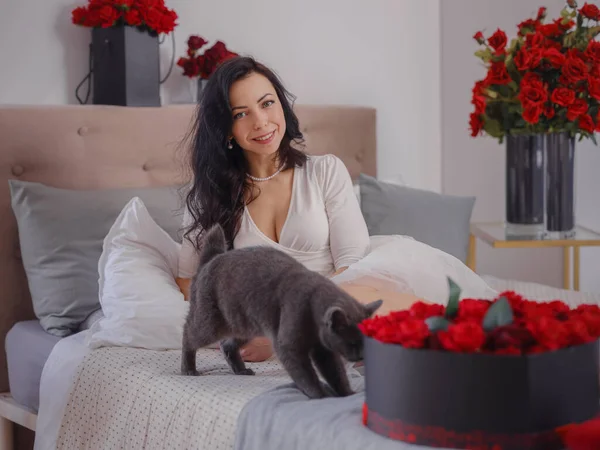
(337, 272)
(257, 350)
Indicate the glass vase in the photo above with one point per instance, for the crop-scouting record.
(560, 180)
(525, 186)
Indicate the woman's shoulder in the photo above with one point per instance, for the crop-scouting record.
(325, 165)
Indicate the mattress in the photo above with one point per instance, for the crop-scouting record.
(28, 347)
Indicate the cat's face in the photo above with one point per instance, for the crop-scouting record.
(340, 332)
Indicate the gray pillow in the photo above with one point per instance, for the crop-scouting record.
(61, 233)
(439, 220)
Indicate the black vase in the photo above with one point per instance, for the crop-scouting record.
(560, 180)
(525, 185)
(126, 67)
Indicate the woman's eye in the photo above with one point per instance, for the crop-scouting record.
(238, 115)
(268, 103)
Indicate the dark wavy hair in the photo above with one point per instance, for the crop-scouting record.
(220, 185)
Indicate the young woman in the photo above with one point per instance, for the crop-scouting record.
(250, 176)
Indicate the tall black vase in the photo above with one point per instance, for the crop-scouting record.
(126, 67)
(560, 181)
(525, 185)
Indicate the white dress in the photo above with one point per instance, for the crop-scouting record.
(325, 231)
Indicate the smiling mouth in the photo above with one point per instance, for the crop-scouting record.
(264, 137)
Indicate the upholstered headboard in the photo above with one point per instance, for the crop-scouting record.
(97, 147)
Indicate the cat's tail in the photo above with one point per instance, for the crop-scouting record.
(213, 243)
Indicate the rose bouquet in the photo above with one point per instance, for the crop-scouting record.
(508, 325)
(503, 374)
(546, 80)
(201, 66)
(149, 15)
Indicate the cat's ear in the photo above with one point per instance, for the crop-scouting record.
(335, 318)
(370, 308)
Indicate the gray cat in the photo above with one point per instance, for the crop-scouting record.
(244, 293)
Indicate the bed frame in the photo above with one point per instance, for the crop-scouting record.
(97, 147)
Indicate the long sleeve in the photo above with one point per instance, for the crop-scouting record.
(188, 256)
(348, 233)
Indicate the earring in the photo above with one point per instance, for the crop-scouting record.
(229, 144)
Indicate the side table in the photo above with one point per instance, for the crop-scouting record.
(494, 234)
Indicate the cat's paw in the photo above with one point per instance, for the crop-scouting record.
(190, 373)
(245, 371)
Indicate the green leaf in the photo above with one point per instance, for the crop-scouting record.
(498, 315)
(437, 323)
(493, 128)
(592, 32)
(485, 54)
(453, 298)
(593, 138)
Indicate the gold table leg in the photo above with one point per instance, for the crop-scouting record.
(471, 263)
(566, 267)
(576, 267)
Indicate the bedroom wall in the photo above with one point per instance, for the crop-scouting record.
(338, 51)
(485, 157)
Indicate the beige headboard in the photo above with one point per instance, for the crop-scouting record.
(95, 147)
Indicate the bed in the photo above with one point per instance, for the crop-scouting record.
(45, 387)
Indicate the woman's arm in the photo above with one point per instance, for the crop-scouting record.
(348, 233)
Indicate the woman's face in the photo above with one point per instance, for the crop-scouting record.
(258, 119)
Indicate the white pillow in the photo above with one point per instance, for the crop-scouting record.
(142, 304)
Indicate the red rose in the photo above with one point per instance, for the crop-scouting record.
(509, 337)
(533, 94)
(528, 26)
(550, 30)
(554, 57)
(471, 309)
(586, 123)
(578, 331)
(574, 69)
(531, 78)
(421, 310)
(592, 52)
(541, 13)
(566, 26)
(563, 96)
(479, 37)
(196, 42)
(577, 108)
(558, 307)
(78, 15)
(108, 16)
(497, 74)
(523, 60)
(590, 315)
(475, 124)
(133, 17)
(549, 111)
(534, 40)
(465, 337)
(590, 11)
(411, 333)
(548, 332)
(479, 102)
(594, 87)
(498, 40)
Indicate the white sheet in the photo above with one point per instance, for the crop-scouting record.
(55, 385)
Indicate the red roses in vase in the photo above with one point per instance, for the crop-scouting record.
(547, 79)
(202, 66)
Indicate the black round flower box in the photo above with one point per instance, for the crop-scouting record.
(444, 399)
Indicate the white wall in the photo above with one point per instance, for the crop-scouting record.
(477, 165)
(334, 51)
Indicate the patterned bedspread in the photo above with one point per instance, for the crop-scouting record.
(125, 398)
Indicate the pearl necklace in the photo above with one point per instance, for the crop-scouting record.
(265, 178)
